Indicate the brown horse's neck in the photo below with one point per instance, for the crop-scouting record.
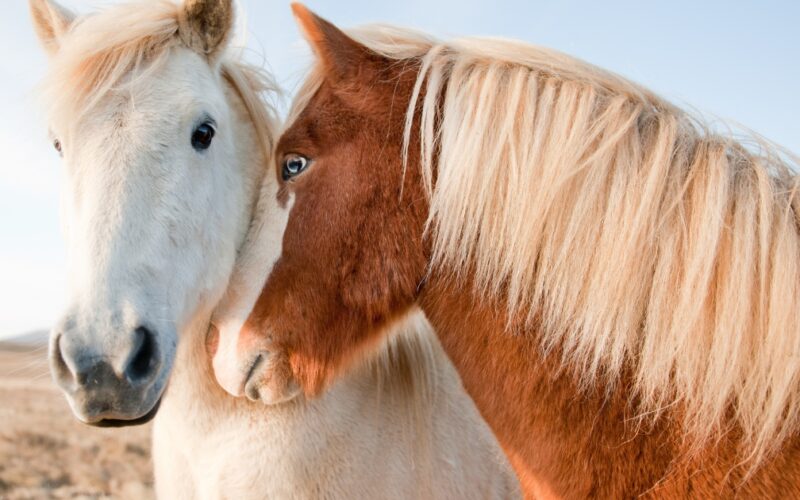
(568, 443)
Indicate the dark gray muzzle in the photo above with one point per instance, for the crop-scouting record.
(109, 389)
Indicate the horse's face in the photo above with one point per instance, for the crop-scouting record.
(153, 205)
(352, 255)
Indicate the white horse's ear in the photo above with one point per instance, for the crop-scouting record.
(206, 25)
(51, 21)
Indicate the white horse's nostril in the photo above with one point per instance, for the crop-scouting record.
(61, 371)
(143, 362)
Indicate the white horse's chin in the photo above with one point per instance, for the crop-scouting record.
(122, 420)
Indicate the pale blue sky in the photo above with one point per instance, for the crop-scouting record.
(734, 60)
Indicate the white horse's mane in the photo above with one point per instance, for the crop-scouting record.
(633, 238)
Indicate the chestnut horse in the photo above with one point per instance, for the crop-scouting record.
(617, 286)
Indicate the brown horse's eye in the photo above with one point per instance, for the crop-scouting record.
(293, 165)
(57, 145)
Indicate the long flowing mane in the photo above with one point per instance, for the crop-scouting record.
(634, 239)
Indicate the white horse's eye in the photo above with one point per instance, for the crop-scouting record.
(202, 136)
(57, 145)
(293, 164)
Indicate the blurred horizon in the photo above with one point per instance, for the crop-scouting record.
(734, 61)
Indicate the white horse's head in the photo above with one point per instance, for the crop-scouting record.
(159, 191)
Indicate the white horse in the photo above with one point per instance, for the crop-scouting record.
(166, 146)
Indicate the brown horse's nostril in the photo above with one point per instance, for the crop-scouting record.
(251, 386)
(144, 361)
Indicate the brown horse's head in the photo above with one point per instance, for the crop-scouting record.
(352, 256)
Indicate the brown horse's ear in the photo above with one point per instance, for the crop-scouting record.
(206, 25)
(51, 21)
(341, 55)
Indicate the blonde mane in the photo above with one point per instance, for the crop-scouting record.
(633, 238)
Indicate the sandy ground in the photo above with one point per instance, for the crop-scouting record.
(46, 453)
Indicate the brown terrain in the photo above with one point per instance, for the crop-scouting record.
(46, 453)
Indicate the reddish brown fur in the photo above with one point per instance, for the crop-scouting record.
(354, 259)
